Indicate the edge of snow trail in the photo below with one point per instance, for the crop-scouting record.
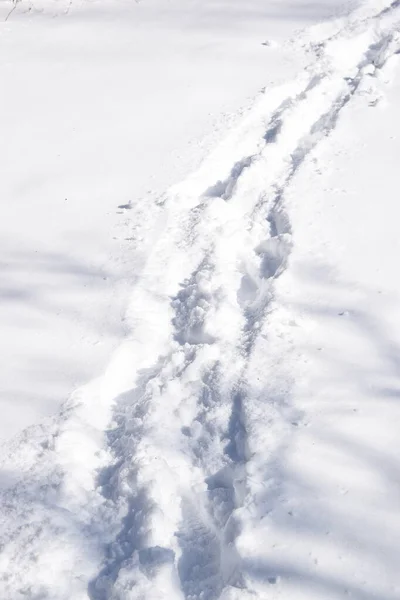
(146, 485)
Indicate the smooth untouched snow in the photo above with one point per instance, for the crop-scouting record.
(242, 442)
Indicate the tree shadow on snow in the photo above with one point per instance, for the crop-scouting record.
(350, 447)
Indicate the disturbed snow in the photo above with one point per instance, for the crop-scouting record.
(242, 442)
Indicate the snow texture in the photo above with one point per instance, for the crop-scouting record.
(243, 441)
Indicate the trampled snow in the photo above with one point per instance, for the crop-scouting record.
(243, 439)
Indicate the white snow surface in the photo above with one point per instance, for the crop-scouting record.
(243, 440)
(104, 105)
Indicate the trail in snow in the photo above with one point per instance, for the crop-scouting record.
(144, 487)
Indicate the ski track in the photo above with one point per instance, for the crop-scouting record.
(156, 514)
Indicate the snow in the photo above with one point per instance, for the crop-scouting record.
(101, 108)
(242, 441)
(340, 466)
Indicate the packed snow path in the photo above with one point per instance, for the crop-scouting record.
(162, 479)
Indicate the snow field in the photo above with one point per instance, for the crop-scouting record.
(102, 109)
(182, 472)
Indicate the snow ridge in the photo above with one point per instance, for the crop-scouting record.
(151, 483)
